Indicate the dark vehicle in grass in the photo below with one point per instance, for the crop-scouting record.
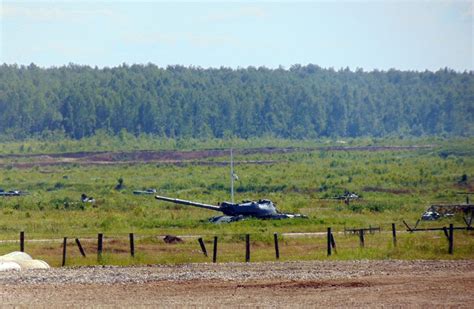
(144, 192)
(347, 196)
(430, 216)
(12, 193)
(261, 209)
(437, 211)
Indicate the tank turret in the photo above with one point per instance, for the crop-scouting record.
(263, 209)
(189, 203)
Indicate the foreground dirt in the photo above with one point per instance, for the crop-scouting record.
(286, 284)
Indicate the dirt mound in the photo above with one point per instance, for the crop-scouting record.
(170, 239)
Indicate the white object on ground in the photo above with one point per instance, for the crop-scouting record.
(7, 266)
(15, 256)
(20, 261)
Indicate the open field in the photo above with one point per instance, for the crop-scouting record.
(288, 284)
(396, 182)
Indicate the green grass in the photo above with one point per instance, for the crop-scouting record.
(129, 142)
(231, 248)
(394, 185)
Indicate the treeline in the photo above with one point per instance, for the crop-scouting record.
(301, 102)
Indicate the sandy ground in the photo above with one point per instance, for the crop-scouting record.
(288, 284)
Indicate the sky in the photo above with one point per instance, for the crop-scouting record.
(372, 34)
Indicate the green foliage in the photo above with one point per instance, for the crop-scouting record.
(303, 102)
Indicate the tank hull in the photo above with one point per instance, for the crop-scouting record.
(262, 209)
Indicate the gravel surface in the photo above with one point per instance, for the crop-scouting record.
(361, 284)
(311, 270)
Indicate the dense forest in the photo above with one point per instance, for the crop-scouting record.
(300, 102)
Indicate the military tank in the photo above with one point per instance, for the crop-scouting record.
(261, 209)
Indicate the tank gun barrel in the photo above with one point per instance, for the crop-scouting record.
(189, 203)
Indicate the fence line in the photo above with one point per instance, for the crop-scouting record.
(331, 243)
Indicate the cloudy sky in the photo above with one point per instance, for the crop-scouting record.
(371, 34)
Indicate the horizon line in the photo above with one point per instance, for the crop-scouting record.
(279, 68)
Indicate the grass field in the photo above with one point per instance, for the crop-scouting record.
(395, 185)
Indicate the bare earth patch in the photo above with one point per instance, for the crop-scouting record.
(172, 156)
(278, 284)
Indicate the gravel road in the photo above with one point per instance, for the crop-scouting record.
(276, 284)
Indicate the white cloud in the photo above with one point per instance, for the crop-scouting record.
(207, 40)
(150, 38)
(194, 39)
(237, 14)
(470, 11)
(464, 9)
(49, 12)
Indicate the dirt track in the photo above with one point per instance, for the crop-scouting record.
(287, 284)
(171, 156)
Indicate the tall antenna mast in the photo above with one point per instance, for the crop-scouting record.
(231, 176)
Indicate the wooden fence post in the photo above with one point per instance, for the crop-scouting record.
(451, 238)
(361, 238)
(132, 245)
(247, 248)
(446, 233)
(100, 237)
(277, 250)
(416, 224)
(203, 246)
(408, 227)
(22, 241)
(394, 235)
(333, 242)
(64, 251)
(329, 241)
(214, 255)
(80, 247)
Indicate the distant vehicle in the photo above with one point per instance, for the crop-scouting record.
(13, 193)
(87, 199)
(262, 209)
(147, 191)
(430, 216)
(347, 196)
(436, 211)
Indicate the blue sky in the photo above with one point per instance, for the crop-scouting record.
(377, 34)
